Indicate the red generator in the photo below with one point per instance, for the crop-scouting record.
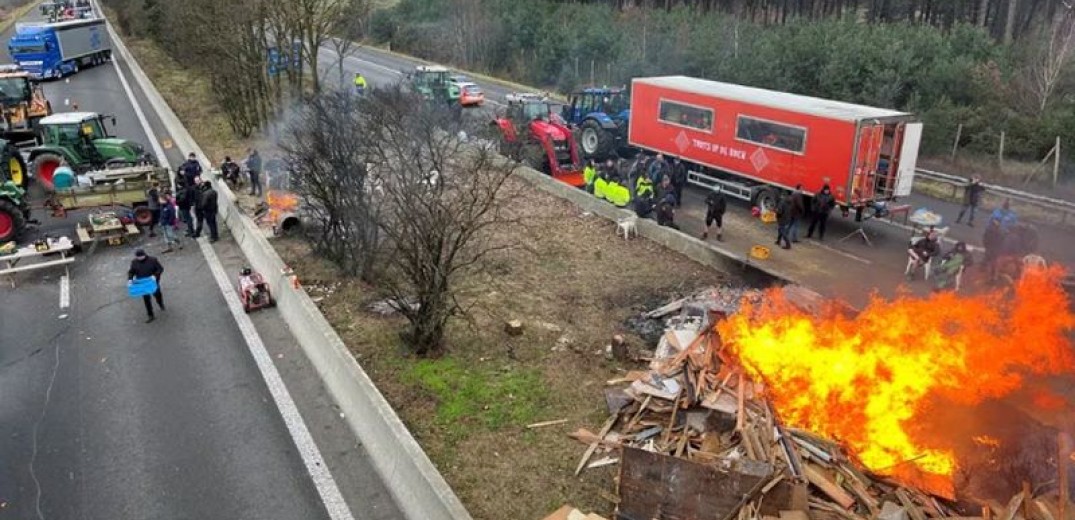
(753, 141)
(254, 292)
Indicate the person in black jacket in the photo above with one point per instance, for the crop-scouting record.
(715, 206)
(144, 266)
(208, 206)
(191, 168)
(184, 200)
(196, 192)
(822, 206)
(679, 179)
(798, 211)
(972, 196)
(783, 221)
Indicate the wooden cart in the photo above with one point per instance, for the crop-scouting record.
(111, 191)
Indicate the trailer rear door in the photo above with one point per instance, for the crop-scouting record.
(868, 153)
(912, 136)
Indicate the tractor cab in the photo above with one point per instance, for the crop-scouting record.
(533, 132)
(601, 116)
(22, 104)
(82, 141)
(435, 83)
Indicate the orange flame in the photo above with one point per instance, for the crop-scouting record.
(868, 381)
(280, 203)
(987, 441)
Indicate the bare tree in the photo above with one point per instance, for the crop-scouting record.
(347, 30)
(325, 144)
(442, 197)
(315, 20)
(1050, 59)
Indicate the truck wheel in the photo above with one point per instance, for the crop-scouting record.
(596, 142)
(44, 167)
(765, 199)
(12, 221)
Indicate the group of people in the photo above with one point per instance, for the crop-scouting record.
(194, 203)
(232, 172)
(652, 185)
(795, 207)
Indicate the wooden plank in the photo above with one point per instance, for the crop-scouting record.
(39, 265)
(546, 423)
(908, 504)
(817, 477)
(593, 445)
(1013, 507)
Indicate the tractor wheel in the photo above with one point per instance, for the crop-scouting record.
(16, 169)
(12, 221)
(143, 216)
(44, 168)
(596, 142)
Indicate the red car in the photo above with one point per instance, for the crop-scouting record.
(470, 94)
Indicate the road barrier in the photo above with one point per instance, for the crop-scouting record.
(1063, 207)
(418, 488)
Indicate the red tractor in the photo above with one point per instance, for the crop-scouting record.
(532, 132)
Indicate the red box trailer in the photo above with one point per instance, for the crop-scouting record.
(750, 140)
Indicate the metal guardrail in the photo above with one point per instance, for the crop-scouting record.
(1064, 207)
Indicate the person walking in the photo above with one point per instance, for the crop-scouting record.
(972, 196)
(144, 266)
(208, 202)
(679, 179)
(783, 221)
(822, 207)
(191, 169)
(169, 222)
(253, 165)
(185, 202)
(715, 206)
(153, 202)
(798, 211)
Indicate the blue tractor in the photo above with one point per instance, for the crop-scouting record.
(601, 116)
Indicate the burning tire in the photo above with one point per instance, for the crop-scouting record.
(44, 168)
(11, 221)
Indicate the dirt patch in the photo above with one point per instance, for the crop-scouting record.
(573, 284)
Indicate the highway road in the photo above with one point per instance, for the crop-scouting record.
(105, 416)
(382, 67)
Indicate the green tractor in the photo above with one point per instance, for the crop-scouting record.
(435, 83)
(79, 140)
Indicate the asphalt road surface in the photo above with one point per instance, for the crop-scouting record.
(104, 416)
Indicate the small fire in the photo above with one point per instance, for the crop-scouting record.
(987, 441)
(870, 381)
(280, 203)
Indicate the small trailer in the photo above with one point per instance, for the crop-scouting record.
(112, 193)
(753, 142)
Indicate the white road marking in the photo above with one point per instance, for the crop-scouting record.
(322, 478)
(65, 292)
(311, 456)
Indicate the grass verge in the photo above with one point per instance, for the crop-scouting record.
(573, 285)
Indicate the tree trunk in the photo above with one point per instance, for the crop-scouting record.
(983, 9)
(1009, 24)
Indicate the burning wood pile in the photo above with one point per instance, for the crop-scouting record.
(699, 435)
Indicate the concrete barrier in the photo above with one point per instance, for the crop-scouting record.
(700, 251)
(417, 487)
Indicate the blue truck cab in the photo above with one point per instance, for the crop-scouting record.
(55, 50)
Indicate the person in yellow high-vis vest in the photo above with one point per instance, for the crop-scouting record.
(360, 83)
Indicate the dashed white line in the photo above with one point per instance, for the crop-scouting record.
(65, 292)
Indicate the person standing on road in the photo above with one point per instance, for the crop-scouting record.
(783, 221)
(199, 214)
(972, 196)
(823, 205)
(169, 222)
(191, 169)
(208, 202)
(657, 169)
(798, 211)
(145, 266)
(715, 206)
(1005, 216)
(253, 165)
(153, 202)
(679, 179)
(589, 174)
(185, 201)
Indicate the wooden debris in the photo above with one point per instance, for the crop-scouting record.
(831, 489)
(593, 445)
(514, 327)
(546, 423)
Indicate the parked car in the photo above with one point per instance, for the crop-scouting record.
(470, 94)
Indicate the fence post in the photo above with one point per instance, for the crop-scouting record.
(955, 144)
(1056, 161)
(592, 66)
(1000, 151)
